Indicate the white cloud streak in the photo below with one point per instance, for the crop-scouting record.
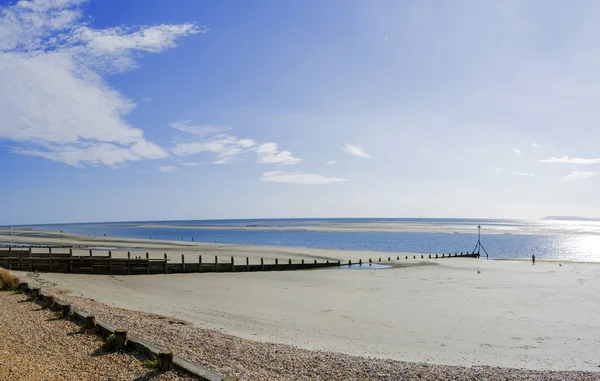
(226, 147)
(578, 175)
(200, 130)
(299, 178)
(54, 101)
(567, 160)
(522, 174)
(167, 169)
(331, 162)
(356, 151)
(535, 145)
(268, 153)
(517, 152)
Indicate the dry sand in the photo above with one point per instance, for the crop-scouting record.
(512, 314)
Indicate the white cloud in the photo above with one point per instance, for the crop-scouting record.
(567, 160)
(191, 164)
(331, 162)
(522, 174)
(578, 175)
(516, 173)
(299, 178)
(355, 150)
(516, 151)
(536, 146)
(54, 101)
(167, 169)
(200, 130)
(146, 99)
(226, 147)
(268, 153)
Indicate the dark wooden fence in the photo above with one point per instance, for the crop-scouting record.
(24, 259)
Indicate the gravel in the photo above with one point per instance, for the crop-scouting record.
(249, 360)
(37, 345)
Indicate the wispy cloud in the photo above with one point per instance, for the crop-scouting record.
(567, 160)
(200, 130)
(191, 164)
(331, 162)
(517, 152)
(167, 169)
(356, 151)
(522, 174)
(578, 175)
(55, 102)
(146, 99)
(535, 145)
(226, 147)
(527, 174)
(268, 153)
(299, 178)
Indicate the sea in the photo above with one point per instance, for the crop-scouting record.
(564, 240)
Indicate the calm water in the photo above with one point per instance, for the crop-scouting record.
(580, 247)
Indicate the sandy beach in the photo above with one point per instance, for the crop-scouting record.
(511, 314)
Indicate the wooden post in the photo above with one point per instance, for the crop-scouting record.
(91, 263)
(65, 310)
(147, 263)
(276, 264)
(120, 338)
(262, 264)
(89, 322)
(247, 264)
(232, 265)
(216, 264)
(289, 264)
(109, 262)
(165, 360)
(49, 302)
(199, 263)
(183, 263)
(30, 261)
(50, 257)
(70, 260)
(166, 264)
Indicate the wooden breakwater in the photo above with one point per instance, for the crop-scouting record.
(52, 260)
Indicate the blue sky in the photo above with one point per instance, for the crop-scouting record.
(153, 109)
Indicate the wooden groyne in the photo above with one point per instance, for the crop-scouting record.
(62, 260)
(53, 260)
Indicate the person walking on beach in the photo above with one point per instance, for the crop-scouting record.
(533, 259)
